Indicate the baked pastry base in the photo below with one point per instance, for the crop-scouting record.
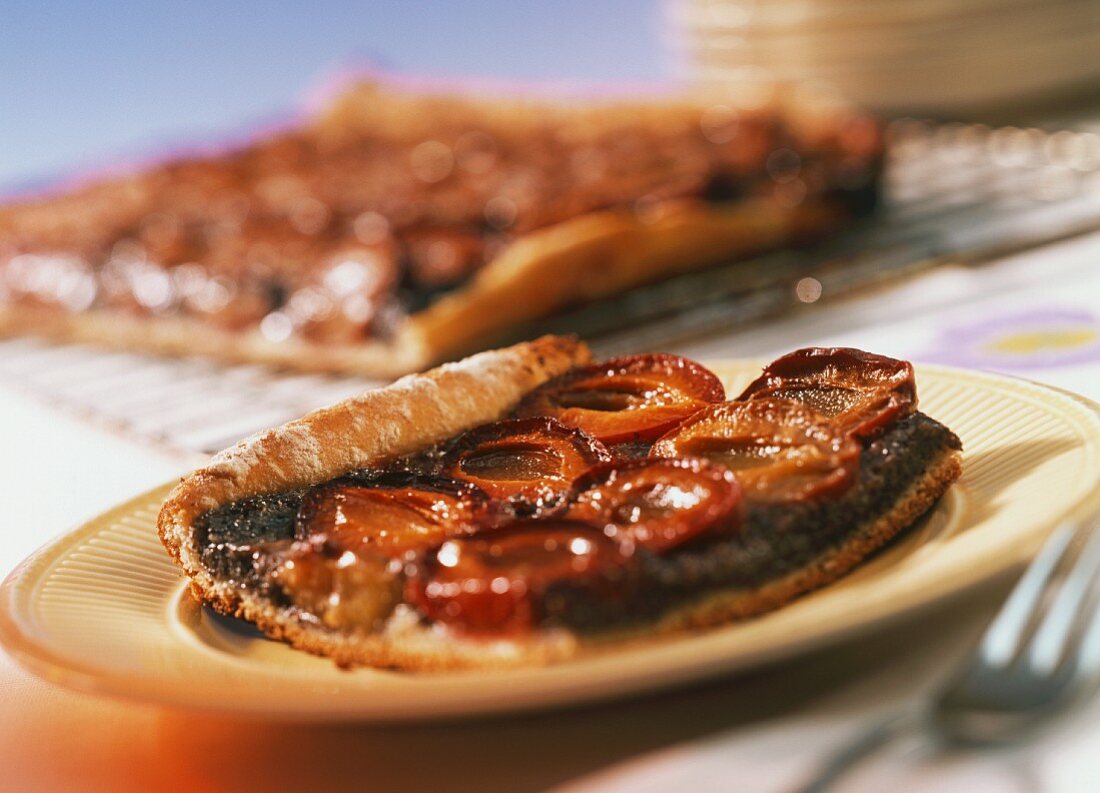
(409, 645)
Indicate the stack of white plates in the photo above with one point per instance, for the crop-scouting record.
(938, 56)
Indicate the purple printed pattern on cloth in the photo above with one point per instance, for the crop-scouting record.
(1037, 339)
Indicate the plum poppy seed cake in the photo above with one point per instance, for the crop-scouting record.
(527, 505)
(397, 228)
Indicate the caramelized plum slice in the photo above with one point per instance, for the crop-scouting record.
(638, 397)
(780, 451)
(343, 588)
(389, 514)
(861, 391)
(491, 582)
(528, 462)
(657, 504)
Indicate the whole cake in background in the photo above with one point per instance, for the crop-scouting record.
(398, 227)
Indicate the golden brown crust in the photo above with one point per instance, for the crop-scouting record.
(414, 412)
(590, 257)
(406, 112)
(182, 336)
(601, 254)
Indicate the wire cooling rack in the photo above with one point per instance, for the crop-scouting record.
(954, 193)
(187, 405)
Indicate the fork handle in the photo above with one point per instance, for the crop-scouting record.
(865, 744)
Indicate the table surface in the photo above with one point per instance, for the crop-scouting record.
(1035, 315)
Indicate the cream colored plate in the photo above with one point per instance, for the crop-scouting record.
(103, 609)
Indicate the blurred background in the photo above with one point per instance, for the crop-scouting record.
(113, 79)
(992, 154)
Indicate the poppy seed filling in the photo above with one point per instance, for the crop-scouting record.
(241, 542)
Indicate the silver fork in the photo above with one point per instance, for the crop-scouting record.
(1040, 653)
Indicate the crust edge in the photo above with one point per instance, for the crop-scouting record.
(416, 411)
